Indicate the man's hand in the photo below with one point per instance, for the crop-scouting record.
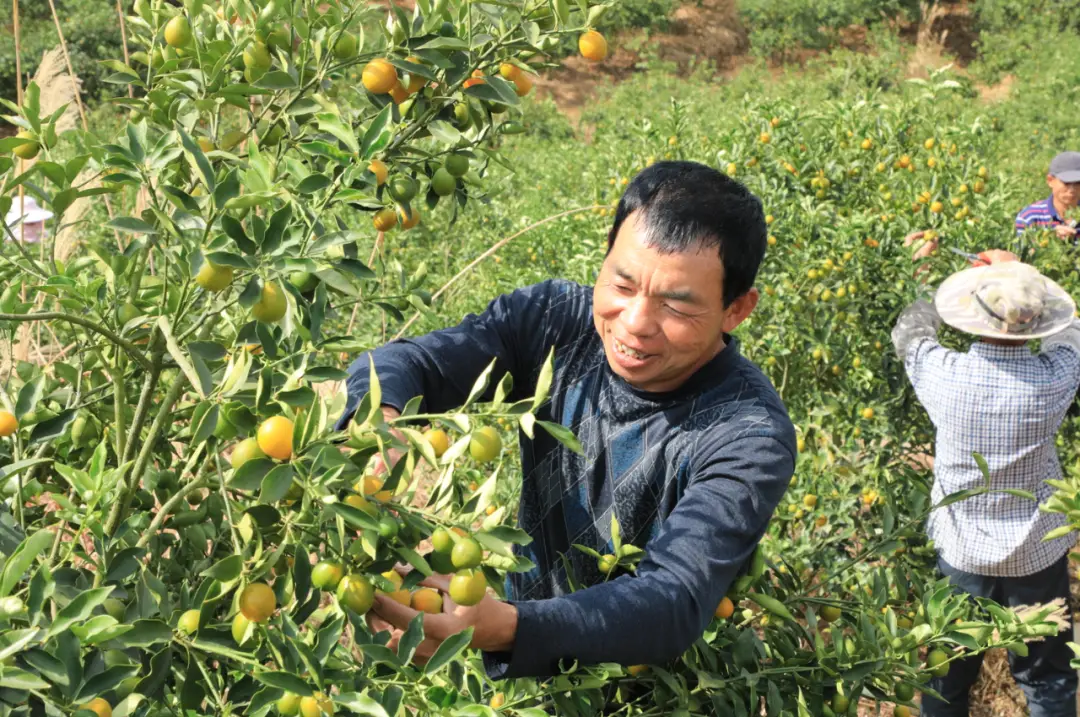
(922, 252)
(494, 622)
(1064, 231)
(994, 256)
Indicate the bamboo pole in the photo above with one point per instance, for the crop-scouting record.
(21, 350)
(123, 41)
(79, 103)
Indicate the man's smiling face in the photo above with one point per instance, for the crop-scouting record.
(661, 315)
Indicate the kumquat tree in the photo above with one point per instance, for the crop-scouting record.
(188, 530)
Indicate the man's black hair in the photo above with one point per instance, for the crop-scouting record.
(686, 204)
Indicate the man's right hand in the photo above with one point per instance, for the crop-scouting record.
(994, 256)
(1064, 231)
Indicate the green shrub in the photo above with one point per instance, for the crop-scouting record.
(1012, 32)
(780, 27)
(652, 14)
(91, 30)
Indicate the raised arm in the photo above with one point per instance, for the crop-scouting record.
(516, 331)
(917, 322)
(687, 568)
(1064, 347)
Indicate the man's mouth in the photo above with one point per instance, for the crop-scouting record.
(627, 351)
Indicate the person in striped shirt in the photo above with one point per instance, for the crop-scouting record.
(1064, 181)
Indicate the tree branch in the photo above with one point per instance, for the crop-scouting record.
(86, 324)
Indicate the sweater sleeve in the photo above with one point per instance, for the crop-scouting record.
(516, 331)
(686, 570)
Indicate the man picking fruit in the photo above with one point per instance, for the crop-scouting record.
(1063, 178)
(1002, 401)
(685, 441)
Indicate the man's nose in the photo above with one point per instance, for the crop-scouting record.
(637, 317)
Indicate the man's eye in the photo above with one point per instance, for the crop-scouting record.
(624, 288)
(675, 311)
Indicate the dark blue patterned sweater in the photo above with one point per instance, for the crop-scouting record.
(693, 476)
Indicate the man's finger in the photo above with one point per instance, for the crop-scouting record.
(394, 612)
(377, 624)
(438, 581)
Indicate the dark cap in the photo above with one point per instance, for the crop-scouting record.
(1066, 166)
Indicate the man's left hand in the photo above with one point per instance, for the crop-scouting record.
(494, 622)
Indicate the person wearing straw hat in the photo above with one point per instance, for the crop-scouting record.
(1006, 403)
(32, 217)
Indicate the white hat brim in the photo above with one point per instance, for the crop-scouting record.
(31, 217)
(955, 304)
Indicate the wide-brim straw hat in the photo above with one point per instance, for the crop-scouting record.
(1008, 300)
(31, 213)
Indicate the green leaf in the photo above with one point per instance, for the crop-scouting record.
(132, 225)
(480, 385)
(29, 395)
(225, 570)
(445, 43)
(235, 230)
(333, 124)
(510, 535)
(354, 517)
(414, 559)
(21, 560)
(313, 183)
(205, 417)
(16, 679)
(276, 484)
(250, 476)
(374, 393)
(380, 653)
(378, 133)
(983, 468)
(180, 357)
(127, 706)
(52, 428)
(772, 605)
(543, 382)
(1058, 532)
(285, 681)
(493, 544)
(448, 650)
(562, 11)
(361, 704)
(1020, 493)
(78, 609)
(412, 638)
(105, 681)
(145, 633)
(227, 189)
(193, 148)
(276, 80)
(959, 496)
(563, 435)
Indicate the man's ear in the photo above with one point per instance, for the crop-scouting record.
(739, 309)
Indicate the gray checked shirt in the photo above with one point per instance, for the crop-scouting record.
(1005, 403)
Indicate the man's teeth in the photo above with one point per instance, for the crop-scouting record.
(624, 349)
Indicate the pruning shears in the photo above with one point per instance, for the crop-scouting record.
(967, 255)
